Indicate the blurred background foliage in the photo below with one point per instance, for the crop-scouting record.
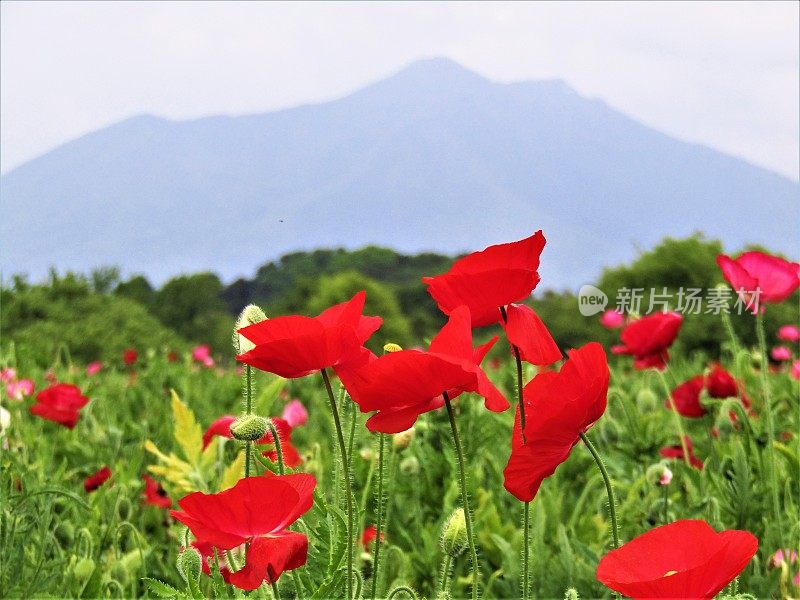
(95, 316)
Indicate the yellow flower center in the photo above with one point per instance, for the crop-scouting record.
(669, 573)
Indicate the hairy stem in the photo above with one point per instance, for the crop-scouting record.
(612, 503)
(248, 398)
(278, 450)
(677, 417)
(464, 496)
(346, 472)
(379, 516)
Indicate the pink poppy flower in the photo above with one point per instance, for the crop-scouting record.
(612, 319)
(781, 354)
(17, 390)
(93, 368)
(8, 375)
(789, 333)
(295, 414)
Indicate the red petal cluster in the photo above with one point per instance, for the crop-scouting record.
(684, 559)
(719, 384)
(61, 403)
(257, 511)
(484, 281)
(774, 278)
(648, 338)
(94, 481)
(294, 346)
(677, 453)
(155, 494)
(558, 408)
(400, 386)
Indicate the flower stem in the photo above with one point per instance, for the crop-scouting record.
(526, 542)
(612, 503)
(248, 396)
(773, 480)
(464, 495)
(346, 473)
(275, 593)
(379, 516)
(677, 416)
(278, 450)
(518, 360)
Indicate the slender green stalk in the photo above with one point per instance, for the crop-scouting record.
(278, 450)
(773, 479)
(248, 396)
(444, 581)
(379, 517)
(612, 502)
(518, 360)
(726, 321)
(275, 593)
(677, 417)
(464, 495)
(346, 472)
(526, 529)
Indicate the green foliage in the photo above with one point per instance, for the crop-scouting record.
(67, 316)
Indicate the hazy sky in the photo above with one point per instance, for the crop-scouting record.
(722, 74)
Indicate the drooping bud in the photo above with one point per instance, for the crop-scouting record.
(453, 540)
(646, 400)
(401, 441)
(249, 316)
(367, 453)
(391, 347)
(249, 428)
(188, 564)
(83, 569)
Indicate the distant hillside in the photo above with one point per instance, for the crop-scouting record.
(433, 158)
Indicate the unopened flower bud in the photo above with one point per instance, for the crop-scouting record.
(249, 428)
(453, 540)
(367, 453)
(391, 347)
(658, 474)
(409, 465)
(84, 568)
(646, 400)
(401, 441)
(188, 564)
(571, 594)
(249, 316)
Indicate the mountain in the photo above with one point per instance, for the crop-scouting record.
(434, 157)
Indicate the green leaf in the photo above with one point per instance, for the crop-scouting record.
(188, 432)
(161, 589)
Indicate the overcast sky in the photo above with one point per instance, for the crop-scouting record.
(723, 74)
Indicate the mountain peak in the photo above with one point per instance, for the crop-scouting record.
(432, 73)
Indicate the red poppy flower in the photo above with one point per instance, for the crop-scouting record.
(369, 535)
(295, 346)
(256, 511)
(687, 398)
(720, 383)
(677, 453)
(684, 559)
(560, 406)
(172, 357)
(61, 403)
(774, 278)
(648, 338)
(94, 481)
(403, 385)
(291, 457)
(155, 494)
(525, 330)
(484, 281)
(130, 356)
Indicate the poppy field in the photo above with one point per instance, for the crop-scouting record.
(486, 462)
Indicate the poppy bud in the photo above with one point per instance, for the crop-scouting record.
(571, 594)
(65, 533)
(367, 453)
(646, 400)
(124, 509)
(391, 347)
(249, 428)
(723, 424)
(409, 466)
(453, 540)
(83, 569)
(658, 474)
(401, 441)
(249, 316)
(188, 564)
